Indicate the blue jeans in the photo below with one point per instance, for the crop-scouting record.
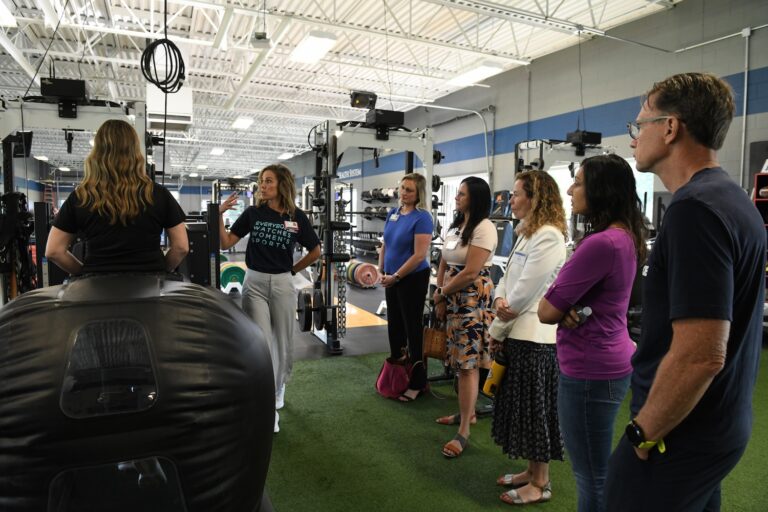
(587, 410)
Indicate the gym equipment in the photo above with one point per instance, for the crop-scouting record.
(319, 311)
(116, 398)
(304, 309)
(362, 274)
(232, 277)
(436, 183)
(331, 139)
(366, 275)
(312, 309)
(17, 272)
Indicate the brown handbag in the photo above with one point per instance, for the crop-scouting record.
(435, 341)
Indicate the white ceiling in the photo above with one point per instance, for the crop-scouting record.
(403, 50)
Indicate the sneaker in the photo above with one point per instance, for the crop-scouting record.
(277, 422)
(280, 398)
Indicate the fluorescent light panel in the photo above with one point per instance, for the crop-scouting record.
(202, 167)
(242, 123)
(193, 175)
(313, 47)
(65, 169)
(217, 151)
(6, 18)
(476, 74)
(42, 158)
(285, 156)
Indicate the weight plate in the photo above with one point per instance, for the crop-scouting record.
(436, 183)
(367, 276)
(232, 274)
(318, 310)
(304, 310)
(351, 270)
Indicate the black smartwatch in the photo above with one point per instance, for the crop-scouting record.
(636, 436)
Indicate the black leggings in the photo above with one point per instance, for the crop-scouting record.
(405, 321)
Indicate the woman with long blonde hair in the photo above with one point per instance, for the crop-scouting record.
(275, 226)
(119, 212)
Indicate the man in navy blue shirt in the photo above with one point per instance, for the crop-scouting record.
(696, 363)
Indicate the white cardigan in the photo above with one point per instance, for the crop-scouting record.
(531, 269)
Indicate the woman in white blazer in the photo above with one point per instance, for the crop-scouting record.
(525, 422)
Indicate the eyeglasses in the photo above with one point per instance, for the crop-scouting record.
(634, 126)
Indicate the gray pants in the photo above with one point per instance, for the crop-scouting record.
(270, 300)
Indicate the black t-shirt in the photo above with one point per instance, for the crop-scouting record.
(273, 237)
(118, 248)
(708, 262)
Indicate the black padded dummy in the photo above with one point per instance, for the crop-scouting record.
(131, 392)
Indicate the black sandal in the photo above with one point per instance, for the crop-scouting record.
(405, 398)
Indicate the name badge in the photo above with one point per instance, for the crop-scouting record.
(394, 217)
(518, 258)
(451, 245)
(292, 226)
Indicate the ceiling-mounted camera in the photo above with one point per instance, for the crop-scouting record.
(362, 99)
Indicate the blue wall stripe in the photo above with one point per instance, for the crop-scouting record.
(609, 118)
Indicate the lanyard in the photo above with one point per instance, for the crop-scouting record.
(511, 254)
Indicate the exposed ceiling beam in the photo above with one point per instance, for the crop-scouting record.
(366, 30)
(245, 82)
(14, 52)
(219, 42)
(49, 13)
(515, 15)
(662, 3)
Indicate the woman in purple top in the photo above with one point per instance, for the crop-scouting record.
(594, 349)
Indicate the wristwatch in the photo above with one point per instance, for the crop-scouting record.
(440, 293)
(396, 276)
(636, 436)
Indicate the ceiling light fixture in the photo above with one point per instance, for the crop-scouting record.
(64, 169)
(242, 123)
(238, 176)
(285, 156)
(193, 175)
(202, 167)
(313, 47)
(42, 158)
(217, 151)
(6, 17)
(476, 74)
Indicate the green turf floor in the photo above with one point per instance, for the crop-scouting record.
(343, 448)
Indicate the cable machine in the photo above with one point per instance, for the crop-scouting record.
(325, 303)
